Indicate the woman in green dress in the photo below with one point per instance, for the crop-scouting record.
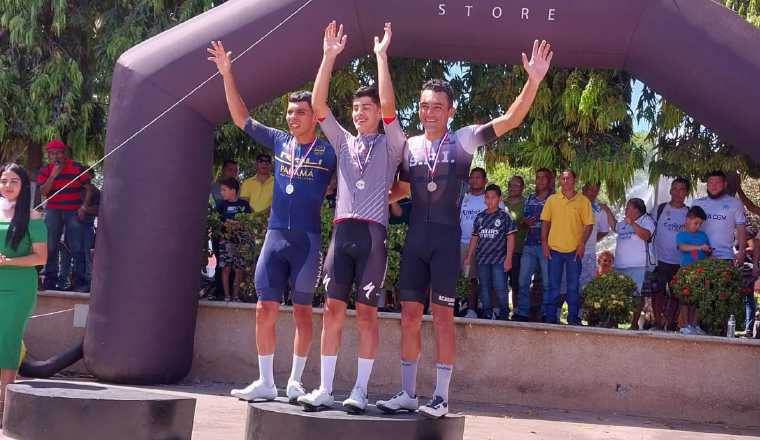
(23, 245)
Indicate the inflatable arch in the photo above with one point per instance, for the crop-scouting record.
(141, 324)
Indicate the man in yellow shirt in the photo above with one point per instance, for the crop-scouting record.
(258, 189)
(566, 223)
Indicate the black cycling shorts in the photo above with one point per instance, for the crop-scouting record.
(357, 256)
(430, 259)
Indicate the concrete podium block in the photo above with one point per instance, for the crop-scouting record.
(280, 420)
(44, 410)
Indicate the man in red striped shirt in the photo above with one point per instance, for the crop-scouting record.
(64, 211)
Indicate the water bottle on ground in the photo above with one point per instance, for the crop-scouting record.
(731, 327)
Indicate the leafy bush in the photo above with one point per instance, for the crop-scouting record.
(247, 231)
(715, 288)
(395, 244)
(608, 301)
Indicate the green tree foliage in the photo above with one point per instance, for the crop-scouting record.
(580, 118)
(57, 57)
(56, 60)
(44, 61)
(683, 146)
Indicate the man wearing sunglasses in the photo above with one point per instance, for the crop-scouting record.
(258, 189)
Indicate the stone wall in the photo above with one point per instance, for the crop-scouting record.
(703, 379)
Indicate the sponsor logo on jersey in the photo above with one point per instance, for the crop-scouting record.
(721, 217)
(446, 299)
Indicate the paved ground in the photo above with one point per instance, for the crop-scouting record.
(220, 417)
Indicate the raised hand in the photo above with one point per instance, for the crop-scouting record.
(220, 57)
(334, 41)
(381, 46)
(539, 61)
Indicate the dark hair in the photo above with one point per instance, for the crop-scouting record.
(479, 170)
(229, 162)
(230, 182)
(696, 211)
(717, 173)
(263, 156)
(638, 204)
(368, 91)
(20, 221)
(590, 184)
(300, 96)
(439, 85)
(518, 178)
(682, 180)
(495, 188)
(545, 170)
(568, 170)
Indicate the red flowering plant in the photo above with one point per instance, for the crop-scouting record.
(715, 288)
(607, 300)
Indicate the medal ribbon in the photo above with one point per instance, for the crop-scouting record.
(431, 170)
(355, 156)
(293, 168)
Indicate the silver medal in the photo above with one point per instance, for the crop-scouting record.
(289, 189)
(432, 186)
(360, 184)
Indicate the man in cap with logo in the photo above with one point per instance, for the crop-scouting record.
(65, 209)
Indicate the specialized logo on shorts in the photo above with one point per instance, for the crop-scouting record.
(326, 281)
(368, 289)
(448, 300)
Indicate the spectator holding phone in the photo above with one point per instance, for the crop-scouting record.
(65, 211)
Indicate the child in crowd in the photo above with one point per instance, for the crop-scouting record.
(493, 242)
(229, 253)
(694, 245)
(605, 263)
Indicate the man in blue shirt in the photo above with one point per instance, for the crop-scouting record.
(304, 166)
(533, 258)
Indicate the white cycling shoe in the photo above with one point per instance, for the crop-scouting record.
(316, 400)
(294, 391)
(400, 402)
(258, 390)
(357, 401)
(435, 408)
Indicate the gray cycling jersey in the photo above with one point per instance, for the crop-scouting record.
(366, 168)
